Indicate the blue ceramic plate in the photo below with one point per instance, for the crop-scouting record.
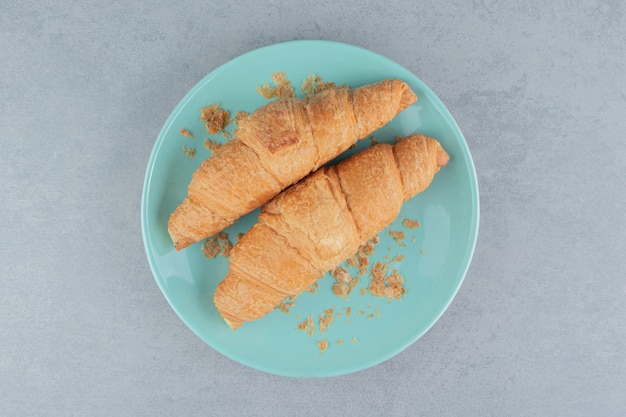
(433, 258)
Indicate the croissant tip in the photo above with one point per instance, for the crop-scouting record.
(233, 323)
(408, 97)
(180, 244)
(442, 156)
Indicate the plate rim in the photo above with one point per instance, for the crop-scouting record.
(435, 100)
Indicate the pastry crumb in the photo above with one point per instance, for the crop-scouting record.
(313, 288)
(360, 260)
(398, 237)
(368, 248)
(345, 283)
(266, 91)
(314, 84)
(212, 145)
(340, 341)
(410, 223)
(217, 244)
(323, 344)
(308, 84)
(326, 320)
(240, 115)
(389, 286)
(189, 152)
(282, 87)
(397, 258)
(307, 325)
(323, 85)
(186, 133)
(341, 274)
(355, 340)
(348, 311)
(215, 118)
(286, 305)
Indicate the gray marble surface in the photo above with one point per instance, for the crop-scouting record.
(539, 325)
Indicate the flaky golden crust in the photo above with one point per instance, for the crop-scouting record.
(420, 152)
(319, 222)
(327, 232)
(276, 146)
(372, 188)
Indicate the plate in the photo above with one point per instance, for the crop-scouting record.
(433, 258)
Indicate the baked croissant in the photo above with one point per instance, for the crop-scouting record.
(276, 146)
(321, 221)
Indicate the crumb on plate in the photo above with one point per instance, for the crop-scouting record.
(307, 325)
(410, 223)
(326, 319)
(360, 259)
(345, 283)
(285, 305)
(308, 84)
(189, 152)
(217, 244)
(389, 286)
(240, 115)
(212, 145)
(323, 344)
(397, 258)
(215, 118)
(313, 288)
(398, 237)
(282, 87)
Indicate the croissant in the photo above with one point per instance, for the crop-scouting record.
(276, 146)
(321, 221)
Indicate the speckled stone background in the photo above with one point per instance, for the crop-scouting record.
(537, 329)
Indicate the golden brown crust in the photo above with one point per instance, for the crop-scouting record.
(418, 153)
(328, 234)
(373, 190)
(202, 214)
(277, 145)
(259, 254)
(370, 100)
(319, 222)
(216, 118)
